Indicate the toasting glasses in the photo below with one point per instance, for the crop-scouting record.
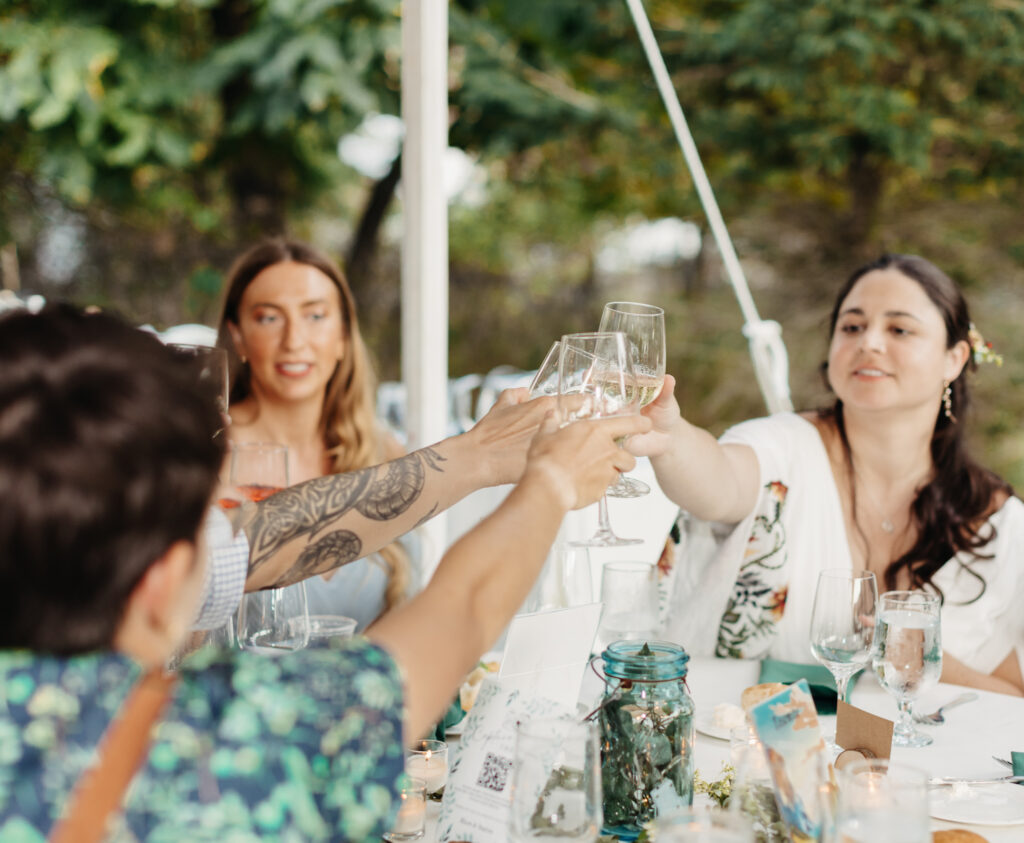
(644, 327)
(596, 380)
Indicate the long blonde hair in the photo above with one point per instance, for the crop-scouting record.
(348, 422)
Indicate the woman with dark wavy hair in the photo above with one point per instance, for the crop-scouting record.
(881, 481)
(301, 377)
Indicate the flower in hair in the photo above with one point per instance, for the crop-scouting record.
(982, 350)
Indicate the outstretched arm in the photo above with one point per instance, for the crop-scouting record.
(327, 522)
(484, 577)
(714, 482)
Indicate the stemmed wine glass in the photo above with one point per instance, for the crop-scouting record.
(843, 624)
(545, 382)
(211, 371)
(274, 619)
(596, 380)
(907, 655)
(644, 327)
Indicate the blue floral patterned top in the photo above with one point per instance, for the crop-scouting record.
(307, 746)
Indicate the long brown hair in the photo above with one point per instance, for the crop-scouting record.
(348, 422)
(949, 510)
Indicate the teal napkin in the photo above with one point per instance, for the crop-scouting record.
(823, 686)
(1018, 764)
(452, 716)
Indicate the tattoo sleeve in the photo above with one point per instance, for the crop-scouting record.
(311, 512)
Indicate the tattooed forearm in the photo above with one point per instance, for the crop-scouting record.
(381, 493)
(325, 554)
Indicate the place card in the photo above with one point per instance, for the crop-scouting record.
(546, 652)
(860, 730)
(477, 800)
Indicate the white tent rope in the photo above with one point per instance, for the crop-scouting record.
(765, 337)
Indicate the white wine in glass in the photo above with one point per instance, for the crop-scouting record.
(644, 327)
(596, 380)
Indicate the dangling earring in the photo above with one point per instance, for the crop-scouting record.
(947, 402)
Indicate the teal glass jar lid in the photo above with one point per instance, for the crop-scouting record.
(650, 661)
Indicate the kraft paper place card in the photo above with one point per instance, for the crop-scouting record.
(857, 729)
(477, 799)
(787, 726)
(546, 652)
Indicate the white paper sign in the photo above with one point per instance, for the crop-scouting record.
(546, 652)
(476, 799)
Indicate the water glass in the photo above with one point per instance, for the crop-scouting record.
(707, 826)
(330, 631)
(411, 821)
(629, 591)
(882, 802)
(564, 582)
(753, 794)
(274, 620)
(545, 382)
(907, 655)
(211, 369)
(556, 781)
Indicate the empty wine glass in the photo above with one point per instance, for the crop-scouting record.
(596, 380)
(907, 655)
(644, 327)
(629, 592)
(545, 382)
(556, 781)
(843, 624)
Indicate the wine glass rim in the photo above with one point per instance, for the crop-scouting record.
(846, 573)
(635, 308)
(197, 347)
(595, 335)
(909, 596)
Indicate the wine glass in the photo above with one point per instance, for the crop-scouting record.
(644, 327)
(907, 654)
(545, 382)
(843, 624)
(211, 371)
(274, 619)
(883, 802)
(556, 781)
(629, 592)
(596, 380)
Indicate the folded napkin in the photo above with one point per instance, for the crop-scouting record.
(1018, 764)
(453, 715)
(820, 680)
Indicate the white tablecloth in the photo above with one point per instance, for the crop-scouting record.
(964, 744)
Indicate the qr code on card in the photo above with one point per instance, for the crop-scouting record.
(494, 773)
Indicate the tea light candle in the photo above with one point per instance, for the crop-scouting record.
(412, 813)
(428, 760)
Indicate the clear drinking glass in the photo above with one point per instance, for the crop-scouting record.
(753, 794)
(411, 821)
(545, 382)
(629, 592)
(644, 327)
(883, 802)
(703, 826)
(843, 624)
(907, 654)
(556, 781)
(596, 380)
(274, 619)
(330, 631)
(211, 367)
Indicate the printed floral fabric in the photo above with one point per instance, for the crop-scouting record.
(306, 746)
(758, 599)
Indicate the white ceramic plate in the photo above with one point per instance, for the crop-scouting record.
(987, 804)
(705, 724)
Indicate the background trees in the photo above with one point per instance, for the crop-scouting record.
(144, 142)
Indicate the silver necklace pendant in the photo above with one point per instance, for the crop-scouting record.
(888, 526)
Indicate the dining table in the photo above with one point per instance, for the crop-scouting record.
(964, 746)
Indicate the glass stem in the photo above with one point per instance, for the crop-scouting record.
(904, 724)
(843, 686)
(602, 515)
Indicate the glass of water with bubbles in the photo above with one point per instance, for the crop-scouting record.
(907, 655)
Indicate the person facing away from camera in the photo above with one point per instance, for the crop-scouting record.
(108, 464)
(301, 377)
(880, 481)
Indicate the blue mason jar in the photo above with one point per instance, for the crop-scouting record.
(646, 728)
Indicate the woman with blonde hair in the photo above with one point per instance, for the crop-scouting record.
(301, 377)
